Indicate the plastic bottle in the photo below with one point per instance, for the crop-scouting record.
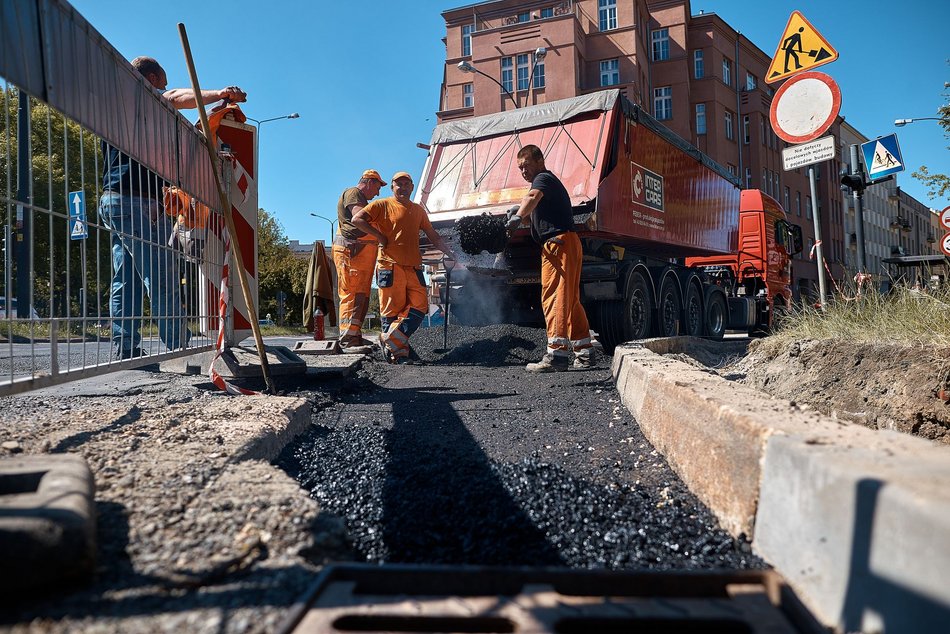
(318, 325)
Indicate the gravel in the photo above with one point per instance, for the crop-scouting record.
(467, 458)
(482, 233)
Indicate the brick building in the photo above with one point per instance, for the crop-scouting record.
(695, 73)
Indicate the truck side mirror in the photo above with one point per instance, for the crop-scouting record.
(797, 242)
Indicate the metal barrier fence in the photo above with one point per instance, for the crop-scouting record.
(113, 243)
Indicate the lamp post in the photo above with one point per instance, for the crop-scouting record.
(466, 67)
(900, 123)
(539, 54)
(260, 122)
(332, 223)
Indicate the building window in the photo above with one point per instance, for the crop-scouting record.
(750, 81)
(745, 129)
(762, 129)
(700, 118)
(547, 12)
(524, 16)
(727, 71)
(663, 103)
(467, 39)
(798, 204)
(730, 133)
(808, 207)
(661, 44)
(764, 183)
(607, 12)
(787, 199)
(523, 71)
(538, 72)
(748, 178)
(731, 168)
(507, 71)
(468, 96)
(698, 69)
(609, 72)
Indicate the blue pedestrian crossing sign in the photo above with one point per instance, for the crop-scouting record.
(882, 157)
(78, 229)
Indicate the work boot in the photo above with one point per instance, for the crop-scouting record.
(122, 354)
(548, 363)
(584, 359)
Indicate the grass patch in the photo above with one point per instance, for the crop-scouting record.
(904, 316)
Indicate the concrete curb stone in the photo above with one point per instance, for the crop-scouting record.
(855, 519)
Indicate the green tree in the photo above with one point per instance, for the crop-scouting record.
(938, 184)
(278, 270)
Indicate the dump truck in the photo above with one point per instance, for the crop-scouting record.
(671, 244)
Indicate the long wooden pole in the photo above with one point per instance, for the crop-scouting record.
(226, 207)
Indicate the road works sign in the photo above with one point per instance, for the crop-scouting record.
(882, 157)
(801, 48)
(808, 153)
(805, 107)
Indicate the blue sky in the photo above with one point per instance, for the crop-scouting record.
(365, 78)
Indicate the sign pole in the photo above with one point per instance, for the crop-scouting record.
(858, 195)
(822, 287)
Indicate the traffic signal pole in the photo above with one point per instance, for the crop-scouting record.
(858, 194)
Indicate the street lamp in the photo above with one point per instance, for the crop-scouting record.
(900, 123)
(332, 224)
(260, 122)
(466, 67)
(539, 54)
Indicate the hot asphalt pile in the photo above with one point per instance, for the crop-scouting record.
(467, 458)
(481, 233)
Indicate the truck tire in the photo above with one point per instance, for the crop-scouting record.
(622, 320)
(669, 309)
(693, 312)
(716, 317)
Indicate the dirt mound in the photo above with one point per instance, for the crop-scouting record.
(881, 386)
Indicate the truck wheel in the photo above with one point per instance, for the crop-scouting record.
(668, 309)
(693, 312)
(716, 317)
(638, 308)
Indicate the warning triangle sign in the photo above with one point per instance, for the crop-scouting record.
(801, 48)
(79, 229)
(883, 159)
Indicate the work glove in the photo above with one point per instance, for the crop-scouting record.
(513, 223)
(513, 210)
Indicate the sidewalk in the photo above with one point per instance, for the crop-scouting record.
(196, 530)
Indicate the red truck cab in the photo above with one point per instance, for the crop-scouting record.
(761, 266)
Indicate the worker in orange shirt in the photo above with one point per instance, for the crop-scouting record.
(354, 254)
(395, 222)
(547, 207)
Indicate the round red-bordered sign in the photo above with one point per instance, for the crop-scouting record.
(945, 217)
(805, 107)
(945, 244)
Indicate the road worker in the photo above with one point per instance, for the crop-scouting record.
(395, 222)
(548, 208)
(354, 254)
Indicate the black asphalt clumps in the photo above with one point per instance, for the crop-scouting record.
(478, 462)
(496, 345)
(482, 233)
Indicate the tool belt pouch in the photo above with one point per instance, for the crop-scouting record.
(352, 245)
(384, 275)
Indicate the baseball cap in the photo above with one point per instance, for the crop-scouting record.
(373, 174)
(399, 175)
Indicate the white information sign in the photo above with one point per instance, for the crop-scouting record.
(808, 153)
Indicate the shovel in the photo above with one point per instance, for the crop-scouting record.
(449, 265)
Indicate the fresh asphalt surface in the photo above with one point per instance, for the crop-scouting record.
(465, 458)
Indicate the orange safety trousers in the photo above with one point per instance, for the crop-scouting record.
(564, 315)
(354, 272)
(403, 303)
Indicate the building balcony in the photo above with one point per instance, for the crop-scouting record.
(901, 223)
(931, 238)
(896, 249)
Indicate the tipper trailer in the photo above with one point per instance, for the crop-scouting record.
(671, 244)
